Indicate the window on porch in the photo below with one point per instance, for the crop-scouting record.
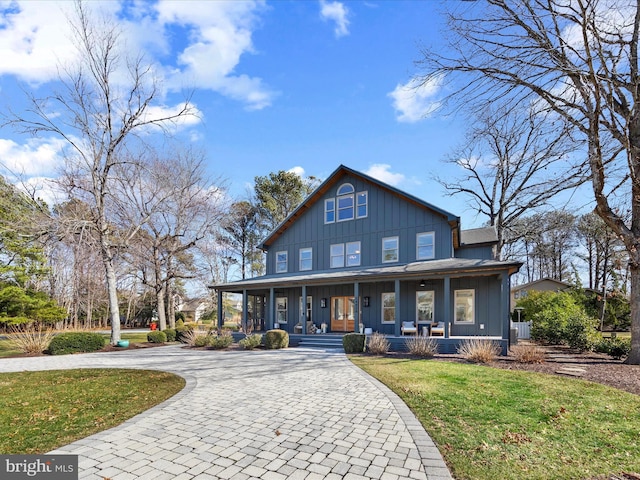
(281, 309)
(424, 306)
(464, 306)
(388, 307)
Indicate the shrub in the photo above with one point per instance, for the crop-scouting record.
(614, 347)
(277, 338)
(170, 333)
(580, 332)
(194, 338)
(218, 342)
(156, 336)
(378, 344)
(425, 347)
(250, 342)
(31, 339)
(479, 350)
(528, 354)
(182, 330)
(74, 342)
(550, 313)
(353, 342)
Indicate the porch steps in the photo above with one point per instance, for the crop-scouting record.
(321, 341)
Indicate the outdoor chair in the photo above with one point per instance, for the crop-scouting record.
(438, 330)
(409, 327)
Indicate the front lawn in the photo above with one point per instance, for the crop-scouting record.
(41, 411)
(500, 424)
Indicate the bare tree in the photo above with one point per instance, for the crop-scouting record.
(102, 104)
(511, 159)
(179, 206)
(575, 59)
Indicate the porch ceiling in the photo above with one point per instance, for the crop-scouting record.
(452, 267)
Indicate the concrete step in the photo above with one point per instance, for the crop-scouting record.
(321, 341)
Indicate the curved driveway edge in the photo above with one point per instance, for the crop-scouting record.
(274, 415)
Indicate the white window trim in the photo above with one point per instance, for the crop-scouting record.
(433, 236)
(346, 254)
(332, 256)
(286, 261)
(334, 210)
(300, 252)
(397, 239)
(433, 305)
(352, 207)
(473, 306)
(309, 310)
(386, 322)
(286, 310)
(366, 204)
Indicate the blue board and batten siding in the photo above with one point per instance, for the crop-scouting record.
(462, 260)
(387, 216)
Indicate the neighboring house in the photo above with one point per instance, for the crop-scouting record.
(192, 309)
(542, 285)
(358, 252)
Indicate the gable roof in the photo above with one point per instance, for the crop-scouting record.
(332, 180)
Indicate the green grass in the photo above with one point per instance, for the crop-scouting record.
(41, 411)
(499, 424)
(7, 349)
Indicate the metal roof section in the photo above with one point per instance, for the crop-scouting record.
(455, 267)
(478, 236)
(337, 174)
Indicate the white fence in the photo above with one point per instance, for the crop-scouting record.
(524, 329)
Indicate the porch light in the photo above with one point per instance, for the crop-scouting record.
(422, 284)
(323, 303)
(365, 301)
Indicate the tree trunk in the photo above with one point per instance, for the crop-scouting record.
(162, 316)
(634, 298)
(114, 309)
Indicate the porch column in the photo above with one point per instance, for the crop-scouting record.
(397, 332)
(447, 306)
(356, 307)
(504, 306)
(245, 307)
(303, 317)
(271, 314)
(220, 309)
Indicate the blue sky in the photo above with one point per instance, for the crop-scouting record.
(304, 85)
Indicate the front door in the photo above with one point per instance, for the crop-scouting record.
(342, 314)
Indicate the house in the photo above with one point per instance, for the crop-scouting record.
(192, 309)
(361, 254)
(543, 285)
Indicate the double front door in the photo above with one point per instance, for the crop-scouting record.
(342, 314)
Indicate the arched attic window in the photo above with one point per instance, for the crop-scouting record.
(345, 200)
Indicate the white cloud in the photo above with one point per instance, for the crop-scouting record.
(35, 39)
(43, 188)
(414, 100)
(338, 13)
(297, 170)
(156, 112)
(39, 156)
(380, 171)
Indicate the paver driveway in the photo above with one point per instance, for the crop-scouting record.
(281, 414)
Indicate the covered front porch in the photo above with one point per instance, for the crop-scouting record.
(468, 298)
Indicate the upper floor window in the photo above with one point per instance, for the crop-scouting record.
(329, 210)
(306, 259)
(361, 204)
(464, 306)
(281, 262)
(345, 202)
(425, 247)
(353, 254)
(347, 205)
(337, 255)
(390, 249)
